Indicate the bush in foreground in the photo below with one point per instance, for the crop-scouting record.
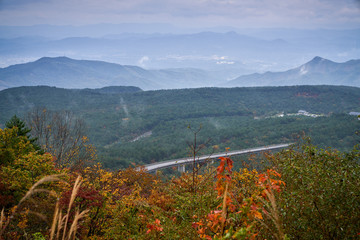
(303, 193)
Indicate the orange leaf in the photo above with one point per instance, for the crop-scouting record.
(257, 215)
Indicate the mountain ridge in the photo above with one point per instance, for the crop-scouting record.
(244, 50)
(65, 72)
(70, 73)
(318, 71)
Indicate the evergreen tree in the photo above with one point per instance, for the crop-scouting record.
(22, 130)
(17, 122)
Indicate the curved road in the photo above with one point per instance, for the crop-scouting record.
(182, 161)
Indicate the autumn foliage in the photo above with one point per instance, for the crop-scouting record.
(300, 193)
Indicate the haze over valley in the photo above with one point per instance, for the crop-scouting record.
(235, 52)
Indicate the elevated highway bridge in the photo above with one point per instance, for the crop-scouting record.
(180, 163)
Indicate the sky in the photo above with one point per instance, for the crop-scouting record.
(305, 14)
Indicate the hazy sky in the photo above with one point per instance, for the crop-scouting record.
(185, 13)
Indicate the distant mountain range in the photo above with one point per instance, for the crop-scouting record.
(69, 73)
(318, 71)
(234, 52)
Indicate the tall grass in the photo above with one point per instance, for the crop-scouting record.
(59, 227)
(275, 225)
(5, 221)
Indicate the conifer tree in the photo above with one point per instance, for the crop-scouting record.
(22, 129)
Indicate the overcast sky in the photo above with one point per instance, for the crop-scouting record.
(185, 13)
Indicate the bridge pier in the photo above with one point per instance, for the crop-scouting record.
(181, 168)
(210, 162)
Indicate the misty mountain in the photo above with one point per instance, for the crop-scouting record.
(318, 71)
(234, 53)
(69, 73)
(207, 50)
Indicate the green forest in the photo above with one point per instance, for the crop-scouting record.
(127, 125)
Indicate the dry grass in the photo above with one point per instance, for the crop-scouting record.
(272, 213)
(5, 221)
(60, 223)
(2, 221)
(59, 226)
(55, 220)
(72, 198)
(74, 225)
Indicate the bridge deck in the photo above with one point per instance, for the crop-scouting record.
(182, 161)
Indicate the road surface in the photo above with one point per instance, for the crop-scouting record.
(182, 161)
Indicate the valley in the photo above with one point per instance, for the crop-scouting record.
(128, 125)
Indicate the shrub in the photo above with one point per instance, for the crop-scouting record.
(322, 195)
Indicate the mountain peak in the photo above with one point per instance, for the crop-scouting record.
(317, 64)
(47, 59)
(317, 59)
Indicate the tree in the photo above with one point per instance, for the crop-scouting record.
(13, 145)
(17, 122)
(20, 166)
(22, 129)
(194, 153)
(62, 135)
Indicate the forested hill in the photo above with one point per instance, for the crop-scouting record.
(143, 126)
(183, 103)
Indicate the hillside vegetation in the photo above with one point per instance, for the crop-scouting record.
(129, 125)
(300, 193)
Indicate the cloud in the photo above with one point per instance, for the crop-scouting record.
(143, 60)
(19, 4)
(242, 13)
(225, 62)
